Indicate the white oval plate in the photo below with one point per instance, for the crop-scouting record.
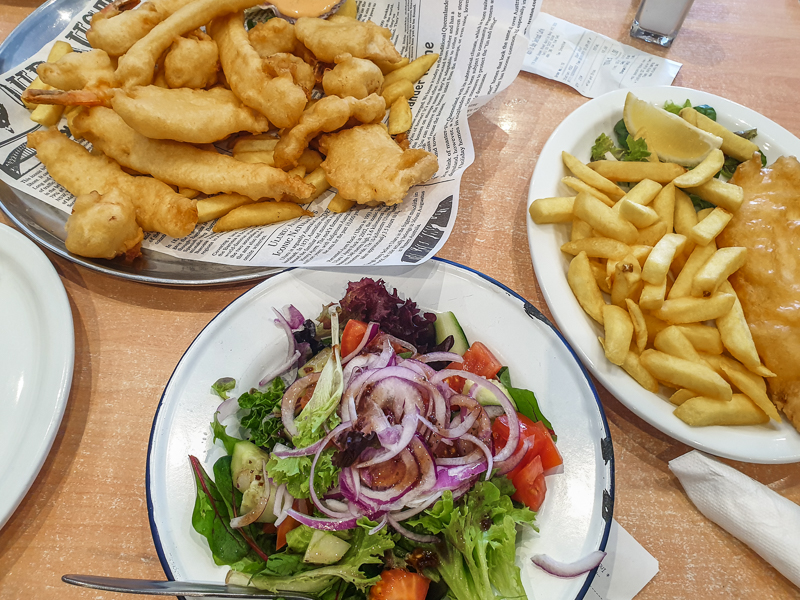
(771, 443)
(36, 359)
(241, 340)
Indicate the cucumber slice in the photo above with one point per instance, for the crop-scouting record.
(447, 324)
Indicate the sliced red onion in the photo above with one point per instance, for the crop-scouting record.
(494, 411)
(321, 523)
(419, 367)
(338, 506)
(277, 508)
(282, 368)
(290, 398)
(415, 537)
(409, 424)
(387, 357)
(440, 357)
(227, 408)
(286, 452)
(457, 431)
(473, 457)
(451, 478)
(402, 343)
(411, 512)
(402, 487)
(427, 466)
(369, 333)
(381, 524)
(511, 463)
(356, 365)
(336, 431)
(293, 317)
(511, 413)
(489, 458)
(573, 569)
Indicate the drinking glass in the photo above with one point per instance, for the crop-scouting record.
(658, 21)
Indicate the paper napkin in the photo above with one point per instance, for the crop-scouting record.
(748, 510)
(625, 570)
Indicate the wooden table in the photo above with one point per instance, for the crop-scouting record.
(86, 512)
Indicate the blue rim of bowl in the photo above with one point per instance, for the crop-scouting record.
(534, 313)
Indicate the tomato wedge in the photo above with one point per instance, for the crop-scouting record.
(479, 360)
(530, 484)
(398, 584)
(352, 335)
(541, 442)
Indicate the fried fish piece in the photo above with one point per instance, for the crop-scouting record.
(184, 165)
(356, 77)
(186, 115)
(366, 165)
(192, 61)
(337, 35)
(768, 285)
(329, 114)
(272, 37)
(272, 92)
(116, 28)
(137, 65)
(158, 207)
(103, 226)
(91, 70)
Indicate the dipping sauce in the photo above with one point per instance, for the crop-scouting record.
(295, 9)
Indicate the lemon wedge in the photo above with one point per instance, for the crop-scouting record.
(672, 138)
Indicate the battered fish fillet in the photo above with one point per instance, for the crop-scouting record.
(192, 61)
(366, 165)
(186, 115)
(158, 207)
(182, 164)
(329, 38)
(329, 114)
(768, 285)
(272, 37)
(137, 65)
(104, 226)
(116, 28)
(278, 98)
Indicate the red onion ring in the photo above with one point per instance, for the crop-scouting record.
(511, 463)
(573, 569)
(440, 357)
(511, 413)
(321, 523)
(485, 449)
(336, 431)
(290, 398)
(409, 424)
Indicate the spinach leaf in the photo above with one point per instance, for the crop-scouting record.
(698, 203)
(218, 429)
(211, 519)
(622, 134)
(706, 110)
(729, 167)
(524, 399)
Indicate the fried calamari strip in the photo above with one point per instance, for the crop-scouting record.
(329, 114)
(137, 65)
(329, 38)
(278, 98)
(182, 164)
(186, 115)
(366, 165)
(158, 207)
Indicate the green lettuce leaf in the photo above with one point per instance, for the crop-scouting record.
(480, 540)
(222, 386)
(218, 429)
(326, 396)
(637, 150)
(296, 473)
(675, 109)
(604, 144)
(263, 419)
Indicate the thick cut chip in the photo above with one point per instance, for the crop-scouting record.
(192, 62)
(276, 97)
(182, 164)
(329, 114)
(365, 164)
(103, 226)
(186, 115)
(329, 38)
(158, 207)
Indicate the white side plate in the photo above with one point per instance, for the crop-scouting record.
(770, 443)
(36, 358)
(242, 339)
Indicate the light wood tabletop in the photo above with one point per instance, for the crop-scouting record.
(87, 512)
